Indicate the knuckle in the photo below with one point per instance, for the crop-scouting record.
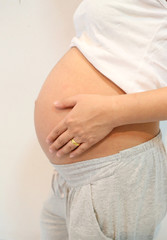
(60, 141)
(52, 146)
(82, 149)
(50, 137)
(91, 140)
(68, 121)
(75, 132)
(70, 148)
(80, 132)
(84, 138)
(62, 152)
(55, 132)
(56, 147)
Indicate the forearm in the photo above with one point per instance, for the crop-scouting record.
(140, 107)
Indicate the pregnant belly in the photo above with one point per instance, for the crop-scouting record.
(72, 75)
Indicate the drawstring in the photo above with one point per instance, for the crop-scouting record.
(58, 178)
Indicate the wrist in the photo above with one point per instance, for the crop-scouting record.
(116, 111)
(120, 109)
(113, 110)
(140, 107)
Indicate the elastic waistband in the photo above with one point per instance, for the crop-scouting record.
(84, 172)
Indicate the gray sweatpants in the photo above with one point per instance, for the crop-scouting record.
(117, 197)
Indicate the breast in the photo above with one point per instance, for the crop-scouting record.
(72, 75)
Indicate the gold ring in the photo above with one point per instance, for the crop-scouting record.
(74, 142)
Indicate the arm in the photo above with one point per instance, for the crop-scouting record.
(93, 117)
(140, 107)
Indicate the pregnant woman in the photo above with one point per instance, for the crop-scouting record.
(112, 90)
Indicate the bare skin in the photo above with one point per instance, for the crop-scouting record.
(73, 75)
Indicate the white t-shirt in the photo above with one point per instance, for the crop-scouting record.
(126, 40)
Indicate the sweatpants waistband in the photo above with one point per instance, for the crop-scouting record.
(84, 172)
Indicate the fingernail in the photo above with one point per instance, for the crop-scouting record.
(51, 150)
(47, 141)
(56, 103)
(58, 154)
(71, 156)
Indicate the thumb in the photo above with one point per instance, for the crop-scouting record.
(67, 102)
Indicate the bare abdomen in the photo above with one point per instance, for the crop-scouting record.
(72, 75)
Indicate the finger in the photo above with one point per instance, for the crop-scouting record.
(56, 132)
(66, 102)
(66, 149)
(63, 139)
(81, 149)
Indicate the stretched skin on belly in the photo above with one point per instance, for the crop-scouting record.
(72, 75)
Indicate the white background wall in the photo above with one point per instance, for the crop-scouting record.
(34, 35)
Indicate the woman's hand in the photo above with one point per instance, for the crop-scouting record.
(88, 122)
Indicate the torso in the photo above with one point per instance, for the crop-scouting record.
(72, 75)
